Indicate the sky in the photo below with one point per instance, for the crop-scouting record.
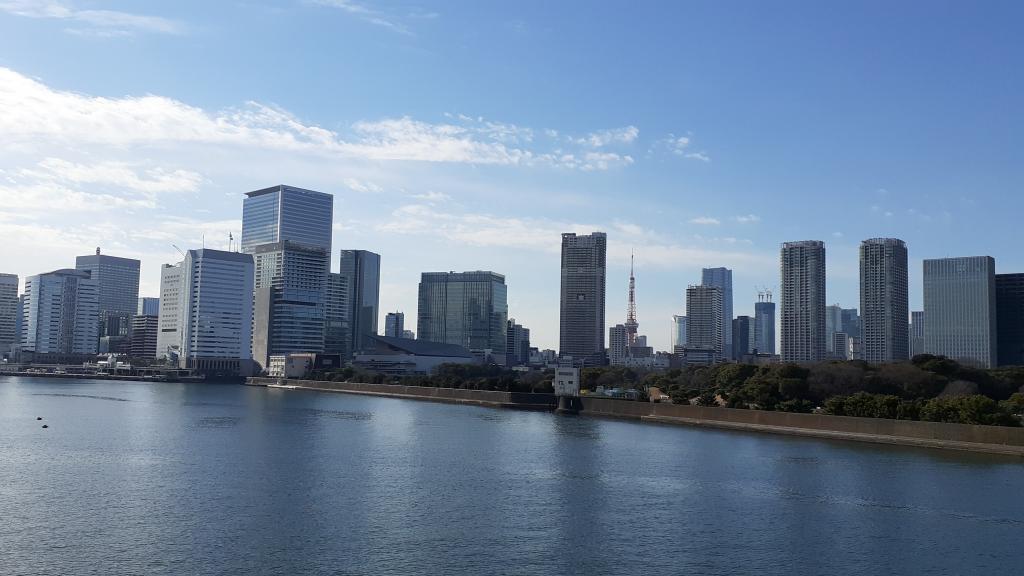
(470, 135)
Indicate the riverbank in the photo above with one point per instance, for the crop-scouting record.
(964, 437)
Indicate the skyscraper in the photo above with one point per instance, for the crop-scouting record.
(803, 301)
(833, 324)
(168, 338)
(742, 336)
(117, 282)
(361, 270)
(61, 313)
(336, 313)
(722, 279)
(216, 312)
(517, 351)
(678, 331)
(287, 231)
(582, 300)
(148, 307)
(394, 324)
(1010, 319)
(764, 324)
(9, 311)
(917, 322)
(960, 309)
(145, 329)
(704, 319)
(469, 309)
(618, 344)
(884, 300)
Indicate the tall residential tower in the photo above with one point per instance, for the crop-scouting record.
(884, 300)
(803, 301)
(582, 302)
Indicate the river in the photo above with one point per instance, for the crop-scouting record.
(149, 478)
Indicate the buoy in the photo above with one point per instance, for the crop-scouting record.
(39, 417)
(45, 426)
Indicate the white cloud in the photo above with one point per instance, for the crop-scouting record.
(32, 115)
(368, 14)
(119, 174)
(364, 187)
(705, 221)
(702, 156)
(104, 23)
(601, 138)
(747, 218)
(432, 196)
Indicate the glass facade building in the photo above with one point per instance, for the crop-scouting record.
(216, 312)
(764, 327)
(286, 213)
(361, 270)
(960, 309)
(117, 280)
(288, 232)
(465, 308)
(10, 309)
(1010, 319)
(721, 278)
(60, 313)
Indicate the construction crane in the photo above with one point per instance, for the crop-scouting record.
(179, 250)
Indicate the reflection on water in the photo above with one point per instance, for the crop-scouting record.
(194, 479)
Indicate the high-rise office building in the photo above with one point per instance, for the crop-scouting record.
(582, 299)
(852, 328)
(840, 346)
(216, 312)
(148, 307)
(833, 324)
(678, 331)
(917, 321)
(168, 338)
(10, 309)
(618, 344)
(145, 329)
(802, 306)
(469, 309)
(1010, 319)
(394, 324)
(60, 313)
(764, 324)
(722, 279)
(517, 350)
(117, 282)
(361, 269)
(287, 214)
(742, 336)
(884, 300)
(704, 319)
(960, 309)
(336, 314)
(287, 231)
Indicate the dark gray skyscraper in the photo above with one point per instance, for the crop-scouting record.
(10, 310)
(704, 319)
(803, 301)
(361, 271)
(469, 309)
(742, 336)
(335, 314)
(721, 278)
(582, 306)
(884, 300)
(394, 324)
(517, 351)
(288, 232)
(764, 324)
(1010, 321)
(917, 321)
(960, 309)
(117, 282)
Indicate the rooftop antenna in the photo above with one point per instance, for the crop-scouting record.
(230, 239)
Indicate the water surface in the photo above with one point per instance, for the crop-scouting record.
(148, 478)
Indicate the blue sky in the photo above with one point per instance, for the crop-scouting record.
(467, 135)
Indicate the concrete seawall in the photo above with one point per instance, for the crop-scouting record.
(975, 438)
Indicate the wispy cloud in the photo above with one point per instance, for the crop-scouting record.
(362, 186)
(106, 23)
(33, 115)
(747, 218)
(371, 15)
(680, 146)
(601, 138)
(705, 221)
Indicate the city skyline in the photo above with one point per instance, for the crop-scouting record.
(682, 168)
